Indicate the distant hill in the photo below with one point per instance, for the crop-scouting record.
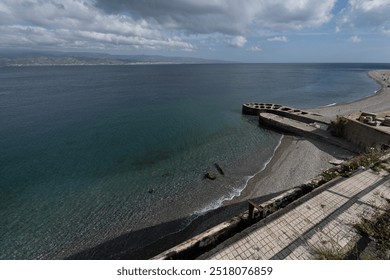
(16, 58)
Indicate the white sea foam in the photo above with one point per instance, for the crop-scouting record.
(330, 105)
(236, 191)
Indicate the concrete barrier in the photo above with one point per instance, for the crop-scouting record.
(364, 136)
(203, 242)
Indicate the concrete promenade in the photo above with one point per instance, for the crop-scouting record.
(314, 223)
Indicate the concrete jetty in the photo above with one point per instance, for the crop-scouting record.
(284, 111)
(296, 121)
(359, 131)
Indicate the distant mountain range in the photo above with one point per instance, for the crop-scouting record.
(17, 58)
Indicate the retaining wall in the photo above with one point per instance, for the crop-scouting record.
(364, 136)
(203, 242)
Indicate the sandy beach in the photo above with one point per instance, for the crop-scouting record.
(298, 160)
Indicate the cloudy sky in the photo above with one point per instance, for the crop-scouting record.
(235, 30)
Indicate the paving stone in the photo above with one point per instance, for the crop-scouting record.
(324, 220)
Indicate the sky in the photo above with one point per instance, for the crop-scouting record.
(232, 30)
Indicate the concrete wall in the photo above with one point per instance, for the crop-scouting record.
(364, 136)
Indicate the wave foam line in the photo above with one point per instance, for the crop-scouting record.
(237, 191)
(329, 105)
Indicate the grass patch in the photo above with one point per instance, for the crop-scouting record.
(378, 229)
(329, 253)
(367, 160)
(375, 234)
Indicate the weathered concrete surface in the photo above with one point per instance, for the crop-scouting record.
(313, 223)
(210, 238)
(308, 124)
(288, 112)
(295, 121)
(365, 136)
(304, 129)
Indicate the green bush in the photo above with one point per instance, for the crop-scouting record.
(336, 127)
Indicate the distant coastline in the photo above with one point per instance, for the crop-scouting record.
(24, 59)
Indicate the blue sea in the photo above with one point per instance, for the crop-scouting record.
(92, 153)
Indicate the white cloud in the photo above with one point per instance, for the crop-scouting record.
(255, 49)
(355, 39)
(79, 24)
(295, 15)
(385, 30)
(230, 17)
(368, 6)
(237, 41)
(372, 14)
(282, 39)
(152, 24)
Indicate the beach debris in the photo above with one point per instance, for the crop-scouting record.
(368, 118)
(219, 169)
(386, 121)
(336, 161)
(211, 176)
(315, 125)
(151, 191)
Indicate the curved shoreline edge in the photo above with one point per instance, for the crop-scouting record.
(375, 102)
(282, 171)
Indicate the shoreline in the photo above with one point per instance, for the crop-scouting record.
(283, 172)
(376, 102)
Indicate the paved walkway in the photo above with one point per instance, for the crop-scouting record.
(323, 221)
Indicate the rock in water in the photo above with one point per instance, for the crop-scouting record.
(219, 169)
(210, 175)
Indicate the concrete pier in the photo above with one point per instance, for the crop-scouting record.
(296, 114)
(355, 134)
(295, 121)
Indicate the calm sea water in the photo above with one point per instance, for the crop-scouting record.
(82, 146)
